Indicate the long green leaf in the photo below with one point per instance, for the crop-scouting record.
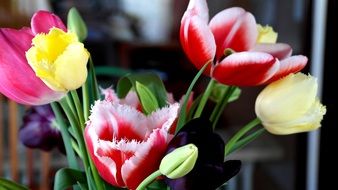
(147, 98)
(150, 80)
(8, 184)
(67, 177)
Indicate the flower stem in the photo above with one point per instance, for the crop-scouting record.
(65, 136)
(183, 114)
(218, 110)
(85, 100)
(148, 180)
(205, 98)
(231, 143)
(95, 89)
(78, 107)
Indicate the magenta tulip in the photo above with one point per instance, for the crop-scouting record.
(126, 145)
(234, 31)
(18, 81)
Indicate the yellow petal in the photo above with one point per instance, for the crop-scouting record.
(266, 34)
(289, 105)
(70, 67)
(59, 60)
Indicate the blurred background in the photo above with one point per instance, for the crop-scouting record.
(143, 35)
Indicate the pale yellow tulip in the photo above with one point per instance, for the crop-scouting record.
(290, 105)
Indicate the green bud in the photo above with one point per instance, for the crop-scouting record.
(179, 162)
(76, 24)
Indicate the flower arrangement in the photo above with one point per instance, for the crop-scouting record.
(137, 136)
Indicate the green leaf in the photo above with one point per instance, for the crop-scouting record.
(76, 24)
(150, 80)
(219, 89)
(147, 98)
(111, 71)
(66, 177)
(8, 184)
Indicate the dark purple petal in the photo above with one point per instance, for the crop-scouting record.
(210, 170)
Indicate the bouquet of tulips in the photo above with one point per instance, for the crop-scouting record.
(137, 136)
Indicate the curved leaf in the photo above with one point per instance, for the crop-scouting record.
(67, 177)
(8, 184)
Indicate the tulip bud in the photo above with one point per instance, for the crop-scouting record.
(76, 24)
(290, 105)
(266, 34)
(179, 162)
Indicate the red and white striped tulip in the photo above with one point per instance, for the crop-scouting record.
(234, 29)
(126, 145)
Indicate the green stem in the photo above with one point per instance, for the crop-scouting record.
(96, 93)
(85, 100)
(78, 133)
(240, 134)
(205, 98)
(148, 180)
(70, 103)
(65, 136)
(183, 112)
(78, 107)
(217, 112)
(244, 141)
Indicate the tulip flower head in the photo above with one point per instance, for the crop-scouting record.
(126, 145)
(55, 61)
(210, 171)
(235, 30)
(39, 129)
(290, 105)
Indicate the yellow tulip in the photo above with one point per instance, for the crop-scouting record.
(266, 34)
(58, 59)
(290, 105)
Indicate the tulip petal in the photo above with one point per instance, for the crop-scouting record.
(198, 42)
(164, 118)
(18, 81)
(279, 50)
(233, 28)
(198, 7)
(146, 159)
(43, 21)
(289, 65)
(246, 69)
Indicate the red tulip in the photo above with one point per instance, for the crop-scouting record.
(17, 79)
(233, 30)
(124, 144)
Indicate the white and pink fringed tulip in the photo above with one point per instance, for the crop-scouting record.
(126, 145)
(234, 31)
(18, 81)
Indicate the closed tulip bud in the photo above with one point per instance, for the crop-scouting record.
(290, 105)
(179, 162)
(76, 24)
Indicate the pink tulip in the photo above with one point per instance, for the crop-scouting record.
(236, 30)
(126, 145)
(17, 79)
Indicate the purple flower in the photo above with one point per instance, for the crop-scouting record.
(210, 170)
(39, 129)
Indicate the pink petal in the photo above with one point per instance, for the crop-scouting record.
(17, 80)
(146, 159)
(198, 42)
(106, 167)
(109, 94)
(200, 8)
(289, 65)
(118, 121)
(246, 69)
(43, 21)
(233, 28)
(164, 118)
(279, 50)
